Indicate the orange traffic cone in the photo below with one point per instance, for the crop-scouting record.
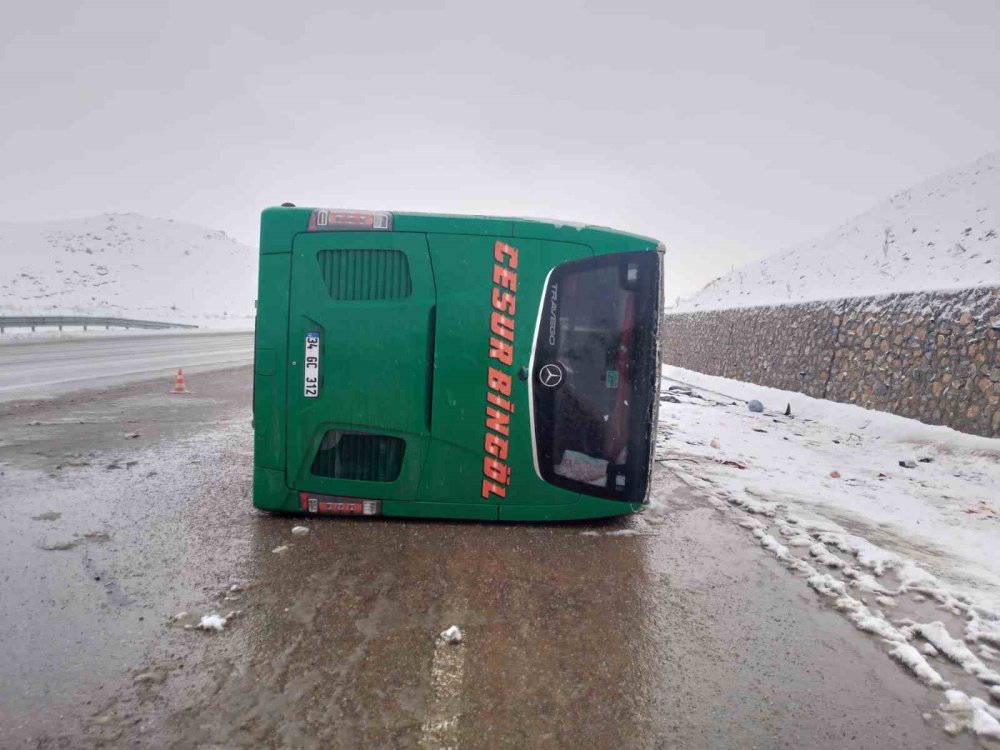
(179, 387)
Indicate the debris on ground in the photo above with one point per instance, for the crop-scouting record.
(982, 508)
(300, 530)
(90, 536)
(452, 635)
(755, 406)
(908, 464)
(73, 464)
(130, 435)
(212, 622)
(155, 676)
(834, 474)
(61, 546)
(49, 515)
(280, 549)
(669, 399)
(788, 410)
(715, 443)
(734, 464)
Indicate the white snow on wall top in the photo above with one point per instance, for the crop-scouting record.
(127, 265)
(941, 234)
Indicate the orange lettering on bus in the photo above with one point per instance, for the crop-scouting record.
(502, 326)
(503, 301)
(505, 277)
(494, 489)
(498, 471)
(501, 350)
(498, 421)
(499, 401)
(496, 446)
(498, 381)
(501, 250)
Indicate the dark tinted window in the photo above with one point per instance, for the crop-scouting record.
(359, 455)
(364, 275)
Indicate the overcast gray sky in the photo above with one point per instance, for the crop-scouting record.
(726, 129)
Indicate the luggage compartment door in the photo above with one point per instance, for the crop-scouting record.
(360, 349)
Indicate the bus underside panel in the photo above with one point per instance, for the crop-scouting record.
(272, 494)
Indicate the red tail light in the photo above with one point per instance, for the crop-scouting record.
(336, 219)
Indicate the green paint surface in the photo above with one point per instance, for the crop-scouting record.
(404, 321)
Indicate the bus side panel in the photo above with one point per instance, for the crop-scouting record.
(369, 298)
(584, 507)
(270, 361)
(270, 491)
(456, 511)
(453, 472)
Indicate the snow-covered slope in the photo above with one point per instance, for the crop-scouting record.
(941, 234)
(126, 265)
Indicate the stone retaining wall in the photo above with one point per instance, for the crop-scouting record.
(933, 356)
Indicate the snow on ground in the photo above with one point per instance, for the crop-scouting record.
(212, 622)
(947, 507)
(127, 266)
(941, 234)
(907, 555)
(452, 635)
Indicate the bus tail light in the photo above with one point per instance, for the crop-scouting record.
(331, 505)
(337, 219)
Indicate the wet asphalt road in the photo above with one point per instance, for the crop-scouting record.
(123, 507)
(48, 367)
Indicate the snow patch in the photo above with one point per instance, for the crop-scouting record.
(127, 266)
(827, 585)
(825, 557)
(913, 660)
(452, 635)
(937, 635)
(943, 233)
(212, 622)
(962, 712)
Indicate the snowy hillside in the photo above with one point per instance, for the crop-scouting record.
(941, 234)
(126, 265)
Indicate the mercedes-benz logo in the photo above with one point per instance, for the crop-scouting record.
(550, 375)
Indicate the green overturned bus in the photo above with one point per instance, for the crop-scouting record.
(453, 367)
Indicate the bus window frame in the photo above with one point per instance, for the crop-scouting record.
(642, 420)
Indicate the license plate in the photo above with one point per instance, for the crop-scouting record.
(311, 368)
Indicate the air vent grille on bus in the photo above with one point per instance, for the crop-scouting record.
(359, 455)
(353, 275)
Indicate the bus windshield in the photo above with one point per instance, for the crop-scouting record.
(594, 378)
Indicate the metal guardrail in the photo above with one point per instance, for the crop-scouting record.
(74, 321)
